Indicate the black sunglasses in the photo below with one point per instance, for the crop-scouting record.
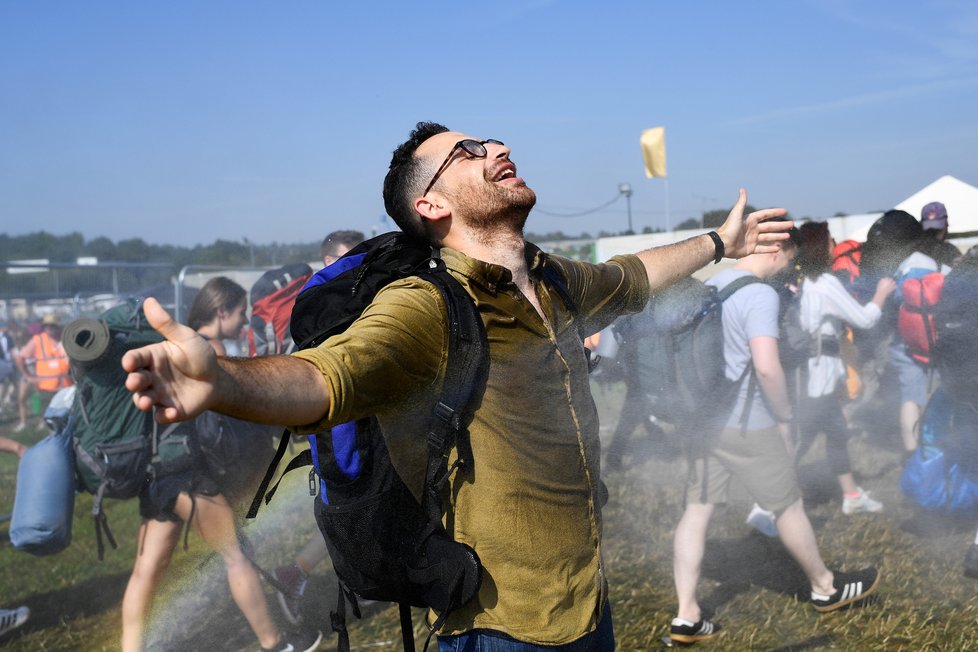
(474, 148)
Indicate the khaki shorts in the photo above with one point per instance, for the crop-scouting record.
(758, 459)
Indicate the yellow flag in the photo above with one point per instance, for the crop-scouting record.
(654, 151)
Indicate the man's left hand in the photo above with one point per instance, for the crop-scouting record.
(753, 234)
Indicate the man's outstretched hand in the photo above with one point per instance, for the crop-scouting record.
(755, 233)
(177, 376)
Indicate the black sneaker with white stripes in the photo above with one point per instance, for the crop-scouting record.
(683, 631)
(849, 588)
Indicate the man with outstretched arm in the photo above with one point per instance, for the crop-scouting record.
(534, 439)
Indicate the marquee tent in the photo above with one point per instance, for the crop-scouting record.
(960, 198)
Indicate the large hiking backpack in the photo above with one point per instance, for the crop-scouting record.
(683, 366)
(383, 543)
(915, 319)
(117, 446)
(956, 323)
(891, 238)
(846, 257)
(272, 298)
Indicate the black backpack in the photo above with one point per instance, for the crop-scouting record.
(956, 322)
(383, 543)
(234, 452)
(681, 364)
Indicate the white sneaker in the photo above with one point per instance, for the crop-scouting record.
(11, 619)
(762, 521)
(861, 503)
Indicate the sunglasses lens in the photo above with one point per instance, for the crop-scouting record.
(493, 141)
(473, 147)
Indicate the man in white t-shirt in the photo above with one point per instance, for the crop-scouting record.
(756, 448)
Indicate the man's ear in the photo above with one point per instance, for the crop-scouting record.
(433, 207)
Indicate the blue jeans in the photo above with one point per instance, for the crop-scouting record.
(601, 639)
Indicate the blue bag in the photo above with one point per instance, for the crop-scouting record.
(936, 484)
(940, 474)
(45, 500)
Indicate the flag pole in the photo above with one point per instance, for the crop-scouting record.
(665, 180)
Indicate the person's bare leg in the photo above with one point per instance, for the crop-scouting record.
(313, 553)
(848, 484)
(22, 393)
(910, 425)
(155, 545)
(689, 544)
(214, 522)
(798, 537)
(8, 445)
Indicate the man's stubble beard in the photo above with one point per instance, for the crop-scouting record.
(499, 213)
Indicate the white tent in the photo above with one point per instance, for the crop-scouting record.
(960, 198)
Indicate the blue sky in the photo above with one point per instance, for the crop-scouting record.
(184, 122)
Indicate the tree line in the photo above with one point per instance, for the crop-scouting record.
(67, 249)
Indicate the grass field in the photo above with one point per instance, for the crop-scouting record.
(750, 585)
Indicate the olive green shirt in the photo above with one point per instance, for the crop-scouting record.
(529, 503)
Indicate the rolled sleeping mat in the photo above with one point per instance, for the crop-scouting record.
(86, 340)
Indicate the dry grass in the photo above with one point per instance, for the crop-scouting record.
(751, 586)
(749, 583)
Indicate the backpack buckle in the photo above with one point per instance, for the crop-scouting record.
(313, 485)
(446, 415)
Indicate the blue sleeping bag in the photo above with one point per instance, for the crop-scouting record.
(45, 499)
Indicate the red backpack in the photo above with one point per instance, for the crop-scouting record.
(846, 257)
(915, 320)
(272, 298)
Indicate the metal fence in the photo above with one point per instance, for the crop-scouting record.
(28, 291)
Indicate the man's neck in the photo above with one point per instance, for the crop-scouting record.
(500, 248)
(504, 248)
(750, 264)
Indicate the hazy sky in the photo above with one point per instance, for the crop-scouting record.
(184, 122)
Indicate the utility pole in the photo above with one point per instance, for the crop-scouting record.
(251, 247)
(626, 190)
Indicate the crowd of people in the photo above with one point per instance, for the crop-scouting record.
(534, 436)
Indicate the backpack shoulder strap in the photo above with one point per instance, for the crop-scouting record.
(722, 295)
(735, 285)
(465, 377)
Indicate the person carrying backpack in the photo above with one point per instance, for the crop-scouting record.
(528, 501)
(909, 354)
(957, 359)
(826, 306)
(753, 444)
(633, 332)
(891, 238)
(190, 496)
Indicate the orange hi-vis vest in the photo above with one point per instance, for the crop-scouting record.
(51, 365)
